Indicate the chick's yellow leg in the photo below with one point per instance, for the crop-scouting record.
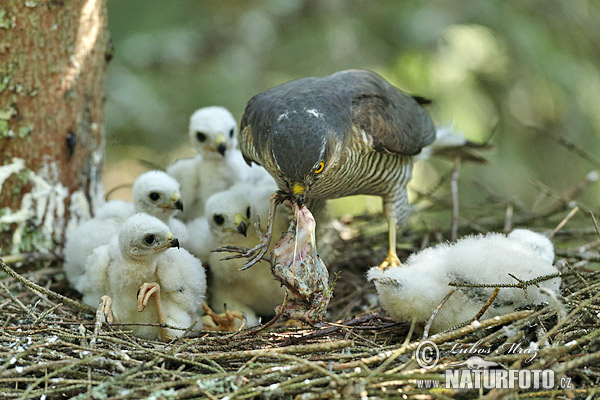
(146, 291)
(391, 260)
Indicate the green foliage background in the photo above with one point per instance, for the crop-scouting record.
(522, 70)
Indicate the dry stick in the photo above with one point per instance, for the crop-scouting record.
(455, 204)
(438, 338)
(508, 219)
(16, 300)
(595, 223)
(486, 305)
(434, 313)
(396, 354)
(114, 189)
(306, 348)
(37, 288)
(563, 321)
(28, 257)
(563, 222)
(580, 151)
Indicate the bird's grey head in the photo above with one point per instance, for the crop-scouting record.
(143, 237)
(300, 149)
(304, 144)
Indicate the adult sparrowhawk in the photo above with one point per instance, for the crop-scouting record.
(345, 134)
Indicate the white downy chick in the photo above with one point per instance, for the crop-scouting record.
(200, 239)
(154, 193)
(415, 289)
(219, 163)
(157, 194)
(231, 215)
(141, 257)
(448, 142)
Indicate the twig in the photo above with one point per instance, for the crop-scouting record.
(563, 222)
(455, 204)
(37, 288)
(521, 285)
(563, 321)
(595, 223)
(508, 218)
(434, 313)
(486, 305)
(580, 151)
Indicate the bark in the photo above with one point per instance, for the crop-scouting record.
(53, 56)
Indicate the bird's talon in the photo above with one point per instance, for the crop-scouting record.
(227, 321)
(391, 260)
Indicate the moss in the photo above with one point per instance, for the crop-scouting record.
(4, 83)
(23, 177)
(32, 240)
(6, 21)
(8, 112)
(5, 131)
(25, 130)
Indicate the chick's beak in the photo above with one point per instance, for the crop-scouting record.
(221, 144)
(176, 200)
(240, 223)
(172, 240)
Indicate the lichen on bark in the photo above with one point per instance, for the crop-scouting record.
(52, 65)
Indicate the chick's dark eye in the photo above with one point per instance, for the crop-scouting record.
(231, 133)
(149, 239)
(201, 136)
(154, 196)
(218, 219)
(248, 212)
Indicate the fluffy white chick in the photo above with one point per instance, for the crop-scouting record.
(154, 193)
(448, 142)
(231, 215)
(415, 289)
(140, 259)
(157, 194)
(201, 241)
(219, 163)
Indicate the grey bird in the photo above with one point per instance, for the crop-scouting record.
(340, 135)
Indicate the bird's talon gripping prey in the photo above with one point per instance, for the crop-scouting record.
(345, 134)
(259, 251)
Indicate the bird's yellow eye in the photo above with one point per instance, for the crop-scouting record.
(320, 167)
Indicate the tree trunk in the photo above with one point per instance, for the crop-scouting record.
(53, 55)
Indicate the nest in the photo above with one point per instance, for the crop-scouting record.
(50, 346)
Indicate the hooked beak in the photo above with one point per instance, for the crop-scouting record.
(298, 190)
(221, 144)
(176, 199)
(172, 241)
(240, 223)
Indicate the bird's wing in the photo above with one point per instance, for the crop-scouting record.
(246, 136)
(396, 121)
(182, 279)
